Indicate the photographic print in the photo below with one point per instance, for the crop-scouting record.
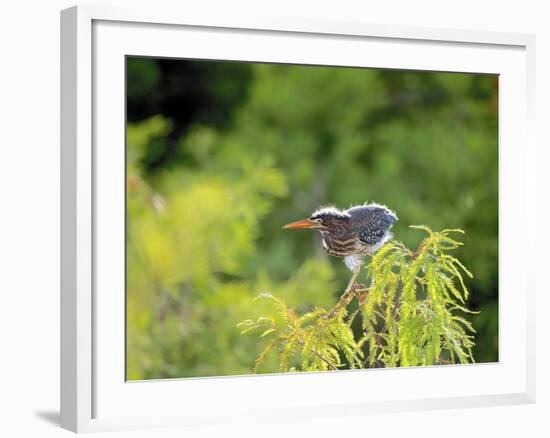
(297, 218)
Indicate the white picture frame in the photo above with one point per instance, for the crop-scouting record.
(94, 43)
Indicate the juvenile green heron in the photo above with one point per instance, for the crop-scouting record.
(351, 233)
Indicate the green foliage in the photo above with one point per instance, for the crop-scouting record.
(221, 155)
(411, 315)
(190, 240)
(311, 340)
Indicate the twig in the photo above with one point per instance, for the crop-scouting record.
(324, 359)
(396, 306)
(320, 356)
(344, 301)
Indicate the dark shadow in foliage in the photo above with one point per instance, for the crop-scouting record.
(185, 93)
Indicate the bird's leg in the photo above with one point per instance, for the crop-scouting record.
(351, 283)
(361, 292)
(347, 296)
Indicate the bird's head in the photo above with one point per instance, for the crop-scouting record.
(324, 219)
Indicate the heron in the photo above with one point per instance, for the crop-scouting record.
(352, 234)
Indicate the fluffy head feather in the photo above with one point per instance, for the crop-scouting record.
(329, 210)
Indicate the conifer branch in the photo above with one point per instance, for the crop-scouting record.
(412, 314)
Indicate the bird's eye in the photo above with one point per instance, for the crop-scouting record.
(318, 220)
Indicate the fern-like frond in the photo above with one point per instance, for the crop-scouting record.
(413, 313)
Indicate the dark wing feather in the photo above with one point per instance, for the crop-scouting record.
(372, 222)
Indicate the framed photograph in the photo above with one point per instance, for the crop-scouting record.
(266, 218)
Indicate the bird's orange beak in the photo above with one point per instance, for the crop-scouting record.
(304, 223)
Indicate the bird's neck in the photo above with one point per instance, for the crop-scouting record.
(333, 232)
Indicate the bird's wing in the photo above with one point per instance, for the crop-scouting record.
(372, 221)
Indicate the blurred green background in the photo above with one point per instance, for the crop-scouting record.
(220, 155)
